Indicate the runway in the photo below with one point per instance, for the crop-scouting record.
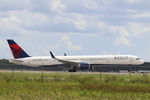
(65, 72)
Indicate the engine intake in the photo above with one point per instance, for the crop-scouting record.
(84, 66)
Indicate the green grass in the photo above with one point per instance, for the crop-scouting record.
(61, 86)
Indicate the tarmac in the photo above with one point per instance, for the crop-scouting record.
(61, 72)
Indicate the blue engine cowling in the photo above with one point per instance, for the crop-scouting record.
(84, 66)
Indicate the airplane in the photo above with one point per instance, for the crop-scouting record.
(81, 62)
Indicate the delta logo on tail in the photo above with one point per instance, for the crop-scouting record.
(16, 50)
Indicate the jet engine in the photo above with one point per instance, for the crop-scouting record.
(84, 66)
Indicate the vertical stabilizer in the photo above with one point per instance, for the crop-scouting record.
(16, 50)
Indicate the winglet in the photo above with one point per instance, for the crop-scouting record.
(65, 54)
(52, 55)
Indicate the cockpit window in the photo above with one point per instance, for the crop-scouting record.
(138, 58)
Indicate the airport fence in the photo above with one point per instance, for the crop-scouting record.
(76, 76)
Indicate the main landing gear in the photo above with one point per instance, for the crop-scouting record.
(73, 70)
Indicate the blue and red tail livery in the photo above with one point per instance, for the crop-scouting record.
(17, 51)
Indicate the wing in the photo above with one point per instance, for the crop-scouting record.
(71, 63)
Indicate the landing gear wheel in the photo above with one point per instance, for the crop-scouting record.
(73, 70)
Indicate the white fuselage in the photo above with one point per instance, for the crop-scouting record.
(92, 60)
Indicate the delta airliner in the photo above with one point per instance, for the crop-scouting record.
(82, 62)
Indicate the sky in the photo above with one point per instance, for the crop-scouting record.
(76, 27)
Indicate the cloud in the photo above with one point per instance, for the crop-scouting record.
(10, 24)
(140, 15)
(3, 44)
(91, 5)
(7, 5)
(123, 41)
(20, 21)
(139, 29)
(120, 30)
(64, 38)
(69, 45)
(58, 6)
(132, 1)
(121, 33)
(33, 21)
(80, 23)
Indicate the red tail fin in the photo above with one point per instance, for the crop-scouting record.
(17, 51)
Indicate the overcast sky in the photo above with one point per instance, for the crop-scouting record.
(76, 27)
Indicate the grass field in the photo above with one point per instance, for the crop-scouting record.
(68, 86)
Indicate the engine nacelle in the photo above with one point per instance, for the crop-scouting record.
(84, 66)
